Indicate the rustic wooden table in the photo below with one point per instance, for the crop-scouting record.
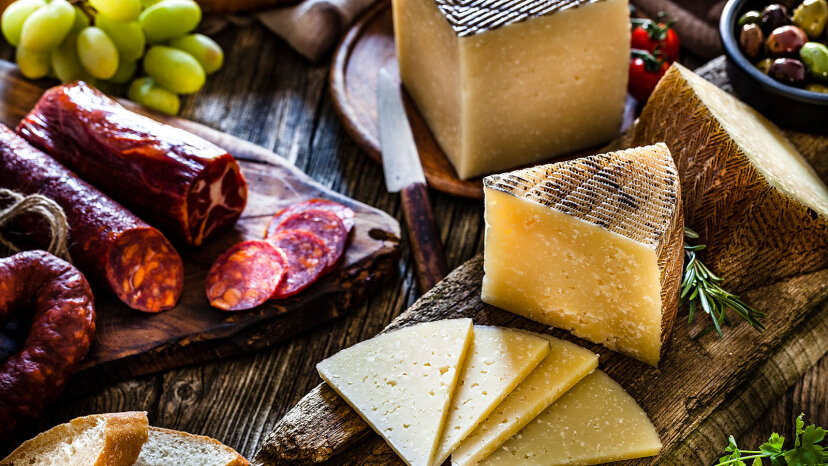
(269, 95)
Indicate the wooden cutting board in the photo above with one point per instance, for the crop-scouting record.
(705, 389)
(129, 343)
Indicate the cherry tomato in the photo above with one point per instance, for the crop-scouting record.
(645, 72)
(657, 38)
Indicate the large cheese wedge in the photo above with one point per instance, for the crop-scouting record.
(402, 382)
(593, 246)
(564, 366)
(595, 422)
(757, 204)
(502, 84)
(497, 361)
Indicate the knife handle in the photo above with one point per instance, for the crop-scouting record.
(429, 260)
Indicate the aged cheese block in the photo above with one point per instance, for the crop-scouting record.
(402, 382)
(595, 422)
(759, 207)
(593, 246)
(564, 366)
(502, 83)
(497, 361)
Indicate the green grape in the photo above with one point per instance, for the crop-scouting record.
(33, 65)
(97, 53)
(148, 3)
(15, 15)
(65, 63)
(169, 19)
(125, 72)
(47, 26)
(149, 94)
(81, 20)
(174, 69)
(204, 49)
(118, 10)
(128, 37)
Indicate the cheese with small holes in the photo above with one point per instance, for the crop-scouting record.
(502, 83)
(497, 361)
(564, 366)
(593, 246)
(595, 422)
(758, 206)
(402, 383)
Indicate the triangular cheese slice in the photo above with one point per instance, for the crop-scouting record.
(592, 245)
(498, 360)
(402, 382)
(564, 366)
(595, 422)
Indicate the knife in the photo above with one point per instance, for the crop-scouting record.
(404, 174)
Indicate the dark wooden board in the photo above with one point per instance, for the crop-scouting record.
(367, 48)
(129, 343)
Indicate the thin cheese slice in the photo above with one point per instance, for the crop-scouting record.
(497, 361)
(402, 382)
(756, 203)
(595, 422)
(564, 366)
(593, 246)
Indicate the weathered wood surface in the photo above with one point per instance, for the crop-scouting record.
(269, 95)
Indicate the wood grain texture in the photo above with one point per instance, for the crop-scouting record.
(429, 259)
(284, 106)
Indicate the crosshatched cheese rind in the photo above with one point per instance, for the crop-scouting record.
(402, 382)
(755, 201)
(593, 246)
(504, 83)
(497, 361)
(595, 422)
(564, 366)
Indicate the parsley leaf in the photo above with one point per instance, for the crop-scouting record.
(807, 450)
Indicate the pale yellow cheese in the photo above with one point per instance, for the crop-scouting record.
(502, 84)
(402, 383)
(497, 361)
(593, 246)
(593, 423)
(564, 366)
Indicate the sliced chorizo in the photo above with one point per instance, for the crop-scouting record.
(245, 276)
(306, 260)
(346, 215)
(324, 224)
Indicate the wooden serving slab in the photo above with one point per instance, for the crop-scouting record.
(129, 343)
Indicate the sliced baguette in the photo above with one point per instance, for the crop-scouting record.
(112, 439)
(166, 447)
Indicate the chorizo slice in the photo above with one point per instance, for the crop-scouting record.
(324, 224)
(245, 276)
(345, 213)
(59, 301)
(306, 260)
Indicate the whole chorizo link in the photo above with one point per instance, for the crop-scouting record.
(58, 297)
(106, 241)
(187, 186)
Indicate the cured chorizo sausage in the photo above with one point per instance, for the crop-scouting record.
(107, 242)
(345, 213)
(326, 225)
(58, 299)
(306, 260)
(245, 276)
(189, 187)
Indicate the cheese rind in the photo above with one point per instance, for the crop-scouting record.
(564, 366)
(402, 383)
(497, 361)
(595, 422)
(758, 206)
(593, 246)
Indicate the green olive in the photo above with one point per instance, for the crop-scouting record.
(764, 65)
(815, 57)
(816, 87)
(751, 17)
(811, 16)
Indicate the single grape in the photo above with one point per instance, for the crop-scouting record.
(81, 20)
(125, 72)
(65, 63)
(128, 37)
(118, 10)
(174, 69)
(47, 26)
(97, 53)
(33, 65)
(169, 19)
(202, 48)
(15, 15)
(149, 94)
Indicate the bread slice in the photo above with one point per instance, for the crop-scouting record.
(166, 447)
(112, 439)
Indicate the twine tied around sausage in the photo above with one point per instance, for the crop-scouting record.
(42, 206)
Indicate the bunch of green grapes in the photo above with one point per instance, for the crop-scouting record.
(146, 43)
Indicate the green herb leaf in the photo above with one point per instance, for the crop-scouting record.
(807, 450)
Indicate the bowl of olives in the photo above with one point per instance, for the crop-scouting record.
(778, 59)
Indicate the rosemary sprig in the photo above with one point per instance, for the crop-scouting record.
(701, 287)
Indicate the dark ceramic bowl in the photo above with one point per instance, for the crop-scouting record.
(788, 106)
